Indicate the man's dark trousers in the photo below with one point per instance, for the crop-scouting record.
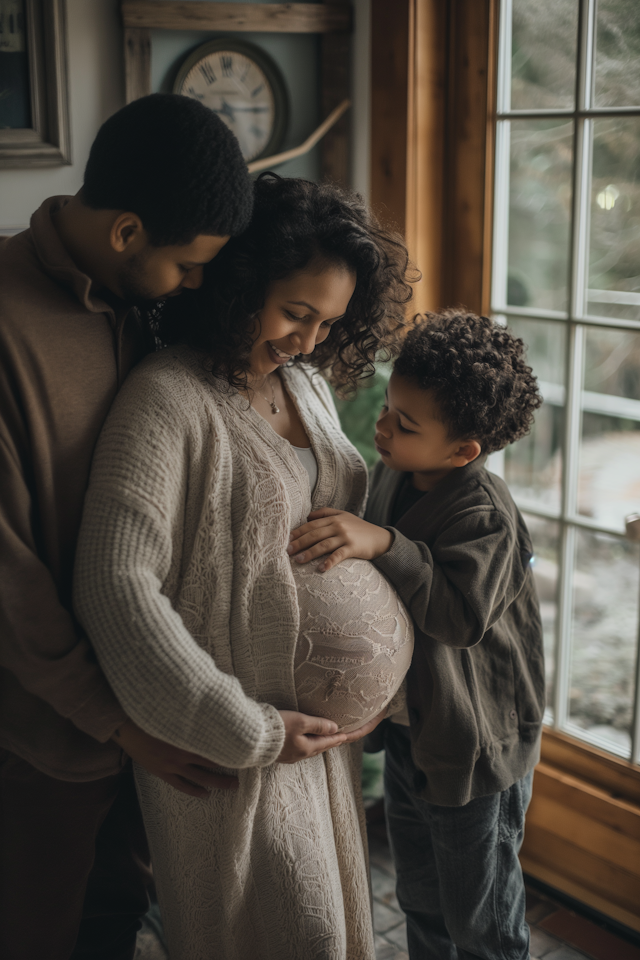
(73, 865)
(459, 880)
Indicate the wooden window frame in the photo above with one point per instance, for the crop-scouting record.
(48, 141)
(433, 116)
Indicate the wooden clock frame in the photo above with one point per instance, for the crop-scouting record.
(333, 21)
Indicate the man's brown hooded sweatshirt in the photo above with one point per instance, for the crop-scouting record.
(63, 355)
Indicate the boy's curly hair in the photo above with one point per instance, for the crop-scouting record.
(476, 371)
(295, 221)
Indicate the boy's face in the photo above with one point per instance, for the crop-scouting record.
(410, 436)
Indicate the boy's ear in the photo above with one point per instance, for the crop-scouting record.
(466, 452)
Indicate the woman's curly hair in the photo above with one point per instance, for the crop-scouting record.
(477, 373)
(295, 221)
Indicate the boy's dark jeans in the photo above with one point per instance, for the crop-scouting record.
(459, 878)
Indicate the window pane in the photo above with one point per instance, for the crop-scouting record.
(545, 536)
(605, 632)
(533, 466)
(612, 367)
(617, 54)
(614, 261)
(609, 478)
(609, 475)
(539, 213)
(543, 53)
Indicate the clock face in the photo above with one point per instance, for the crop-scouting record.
(236, 88)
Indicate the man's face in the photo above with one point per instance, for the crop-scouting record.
(158, 272)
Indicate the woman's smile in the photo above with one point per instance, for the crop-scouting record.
(279, 356)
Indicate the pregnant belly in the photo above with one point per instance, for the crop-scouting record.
(355, 642)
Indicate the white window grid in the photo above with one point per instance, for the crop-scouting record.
(576, 322)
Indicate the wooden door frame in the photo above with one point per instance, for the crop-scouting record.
(432, 168)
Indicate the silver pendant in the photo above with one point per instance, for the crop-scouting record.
(274, 408)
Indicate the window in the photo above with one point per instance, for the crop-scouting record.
(566, 277)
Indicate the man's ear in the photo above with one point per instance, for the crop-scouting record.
(467, 451)
(127, 233)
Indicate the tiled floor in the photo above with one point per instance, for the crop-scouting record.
(556, 933)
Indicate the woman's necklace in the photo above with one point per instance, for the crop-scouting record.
(272, 403)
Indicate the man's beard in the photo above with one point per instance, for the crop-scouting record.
(132, 286)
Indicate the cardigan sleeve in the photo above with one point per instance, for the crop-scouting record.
(163, 679)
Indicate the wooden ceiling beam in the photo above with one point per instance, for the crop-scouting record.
(259, 17)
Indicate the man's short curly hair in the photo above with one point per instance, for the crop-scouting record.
(294, 222)
(176, 164)
(476, 372)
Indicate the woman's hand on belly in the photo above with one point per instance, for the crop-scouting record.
(307, 736)
(367, 727)
(337, 535)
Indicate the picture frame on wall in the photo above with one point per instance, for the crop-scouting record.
(34, 100)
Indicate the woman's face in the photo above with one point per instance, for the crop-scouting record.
(298, 313)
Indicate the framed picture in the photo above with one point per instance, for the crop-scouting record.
(34, 111)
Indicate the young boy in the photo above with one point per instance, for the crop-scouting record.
(448, 535)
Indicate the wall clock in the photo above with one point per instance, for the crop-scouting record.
(242, 84)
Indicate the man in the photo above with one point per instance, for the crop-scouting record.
(165, 187)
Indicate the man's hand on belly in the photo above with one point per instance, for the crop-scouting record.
(187, 772)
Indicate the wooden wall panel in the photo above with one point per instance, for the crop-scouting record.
(390, 31)
(426, 174)
(335, 72)
(583, 840)
(432, 140)
(471, 84)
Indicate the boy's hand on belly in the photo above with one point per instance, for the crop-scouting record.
(336, 535)
(306, 736)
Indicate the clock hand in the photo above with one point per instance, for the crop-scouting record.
(226, 111)
(251, 109)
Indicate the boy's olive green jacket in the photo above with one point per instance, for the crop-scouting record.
(460, 560)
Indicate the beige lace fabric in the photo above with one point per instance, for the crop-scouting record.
(355, 642)
(186, 590)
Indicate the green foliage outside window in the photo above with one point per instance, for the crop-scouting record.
(358, 416)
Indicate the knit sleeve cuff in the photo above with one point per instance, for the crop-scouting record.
(273, 740)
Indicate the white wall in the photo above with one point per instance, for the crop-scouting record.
(96, 90)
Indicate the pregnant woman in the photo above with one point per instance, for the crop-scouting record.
(216, 448)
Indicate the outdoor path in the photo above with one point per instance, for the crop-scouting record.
(556, 933)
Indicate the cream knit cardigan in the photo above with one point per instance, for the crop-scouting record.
(185, 589)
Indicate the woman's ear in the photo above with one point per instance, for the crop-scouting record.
(467, 451)
(127, 233)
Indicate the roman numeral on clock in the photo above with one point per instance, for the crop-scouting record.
(227, 65)
(207, 72)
